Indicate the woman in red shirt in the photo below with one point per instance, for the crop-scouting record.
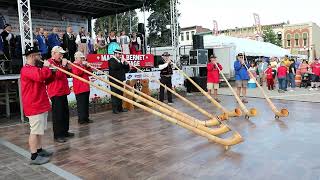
(282, 77)
(213, 76)
(81, 89)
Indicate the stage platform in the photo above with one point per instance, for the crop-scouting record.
(139, 145)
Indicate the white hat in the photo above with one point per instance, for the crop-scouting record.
(58, 49)
(79, 55)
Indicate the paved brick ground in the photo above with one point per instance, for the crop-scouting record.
(16, 167)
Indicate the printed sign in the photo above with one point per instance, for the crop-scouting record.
(100, 61)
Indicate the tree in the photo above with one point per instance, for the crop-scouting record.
(270, 36)
(109, 23)
(159, 34)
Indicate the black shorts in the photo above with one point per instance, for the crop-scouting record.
(314, 78)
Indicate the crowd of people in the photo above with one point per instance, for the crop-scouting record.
(71, 42)
(284, 72)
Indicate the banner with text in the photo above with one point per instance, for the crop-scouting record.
(100, 61)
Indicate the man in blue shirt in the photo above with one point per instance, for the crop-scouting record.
(42, 44)
(53, 38)
(242, 76)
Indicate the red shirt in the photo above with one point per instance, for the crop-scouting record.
(268, 73)
(282, 71)
(315, 68)
(58, 83)
(33, 88)
(213, 73)
(79, 86)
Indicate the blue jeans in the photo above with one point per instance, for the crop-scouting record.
(282, 83)
(292, 80)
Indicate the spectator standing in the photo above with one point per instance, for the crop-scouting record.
(53, 39)
(101, 43)
(292, 75)
(135, 44)
(82, 41)
(282, 76)
(269, 76)
(124, 43)
(113, 42)
(69, 44)
(42, 44)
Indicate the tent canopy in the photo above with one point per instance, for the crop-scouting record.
(248, 46)
(91, 8)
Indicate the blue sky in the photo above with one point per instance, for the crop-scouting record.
(238, 13)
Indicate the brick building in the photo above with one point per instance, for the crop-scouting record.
(303, 39)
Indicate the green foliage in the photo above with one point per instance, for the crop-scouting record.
(109, 23)
(270, 36)
(158, 20)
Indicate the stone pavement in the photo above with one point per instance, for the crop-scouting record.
(13, 166)
(299, 94)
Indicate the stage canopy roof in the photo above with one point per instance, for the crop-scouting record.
(250, 47)
(90, 8)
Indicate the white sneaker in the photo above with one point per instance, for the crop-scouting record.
(316, 89)
(291, 90)
(311, 89)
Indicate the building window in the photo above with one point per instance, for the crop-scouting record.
(305, 37)
(182, 36)
(187, 34)
(288, 40)
(279, 35)
(192, 33)
(296, 40)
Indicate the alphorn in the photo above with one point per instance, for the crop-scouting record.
(252, 112)
(283, 112)
(235, 139)
(176, 114)
(236, 113)
(212, 117)
(211, 122)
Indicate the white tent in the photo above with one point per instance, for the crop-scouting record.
(248, 46)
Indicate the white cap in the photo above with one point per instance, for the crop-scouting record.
(58, 49)
(79, 55)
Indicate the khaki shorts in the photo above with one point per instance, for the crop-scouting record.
(242, 83)
(38, 123)
(212, 86)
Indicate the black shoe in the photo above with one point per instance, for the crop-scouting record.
(170, 102)
(115, 112)
(70, 135)
(60, 140)
(89, 121)
(123, 110)
(45, 153)
(82, 122)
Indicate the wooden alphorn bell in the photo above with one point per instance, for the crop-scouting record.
(235, 139)
(248, 113)
(283, 112)
(149, 101)
(226, 114)
(212, 122)
(213, 118)
(172, 111)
